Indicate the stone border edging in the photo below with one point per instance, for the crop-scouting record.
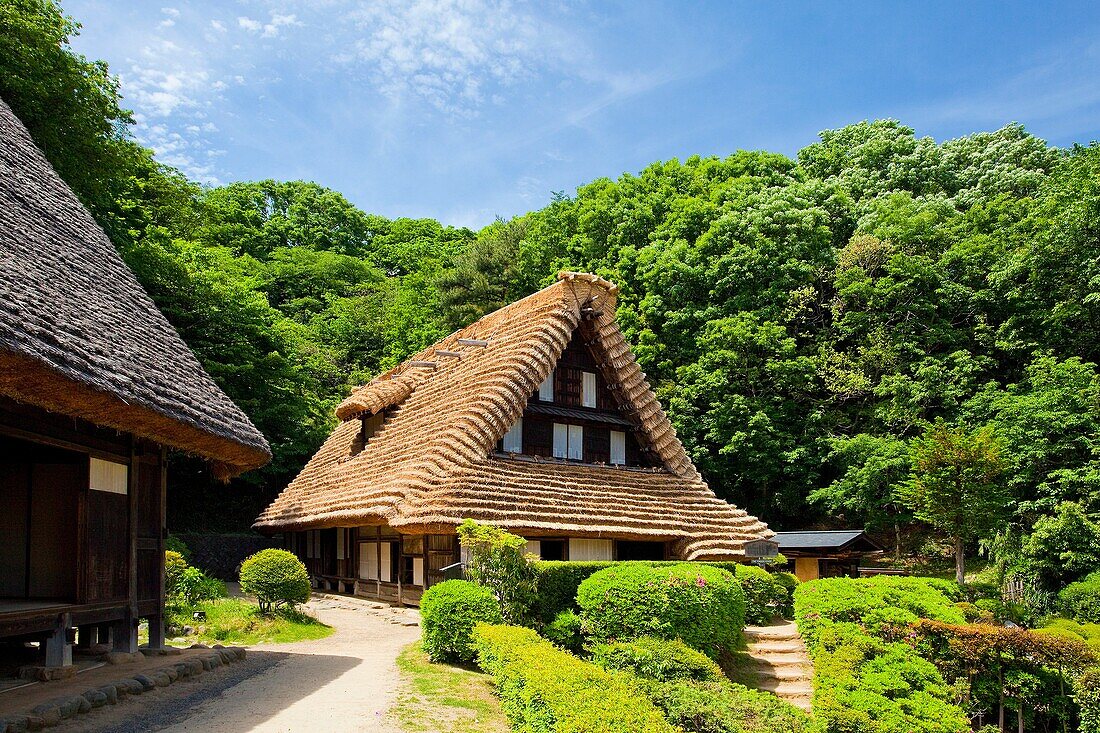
(54, 711)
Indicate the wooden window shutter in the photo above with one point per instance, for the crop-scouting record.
(588, 389)
(618, 448)
(513, 439)
(561, 440)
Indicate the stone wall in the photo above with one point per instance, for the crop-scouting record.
(221, 555)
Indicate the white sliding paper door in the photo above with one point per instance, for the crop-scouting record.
(590, 549)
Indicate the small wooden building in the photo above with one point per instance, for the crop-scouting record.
(826, 553)
(95, 387)
(537, 419)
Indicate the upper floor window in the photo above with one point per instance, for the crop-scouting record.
(546, 389)
(568, 441)
(513, 439)
(588, 389)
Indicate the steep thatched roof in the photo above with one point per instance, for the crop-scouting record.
(79, 336)
(431, 464)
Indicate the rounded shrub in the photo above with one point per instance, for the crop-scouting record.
(1081, 600)
(765, 597)
(662, 660)
(703, 606)
(789, 582)
(449, 611)
(566, 631)
(277, 578)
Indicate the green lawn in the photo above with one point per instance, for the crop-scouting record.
(445, 698)
(238, 621)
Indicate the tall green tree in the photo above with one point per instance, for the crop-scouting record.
(956, 485)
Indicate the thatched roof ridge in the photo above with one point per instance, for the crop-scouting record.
(431, 465)
(79, 335)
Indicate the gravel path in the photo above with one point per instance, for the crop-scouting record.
(346, 682)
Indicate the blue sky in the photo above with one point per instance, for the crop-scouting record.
(465, 110)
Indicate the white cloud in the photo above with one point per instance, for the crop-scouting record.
(270, 29)
(170, 20)
(449, 53)
(171, 87)
(218, 26)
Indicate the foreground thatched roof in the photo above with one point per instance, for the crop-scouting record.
(431, 464)
(79, 335)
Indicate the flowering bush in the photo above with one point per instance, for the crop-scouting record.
(700, 605)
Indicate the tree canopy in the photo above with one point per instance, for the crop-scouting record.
(805, 321)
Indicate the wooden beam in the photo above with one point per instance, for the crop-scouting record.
(422, 364)
(451, 354)
(135, 467)
(474, 342)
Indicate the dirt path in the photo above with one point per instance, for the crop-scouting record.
(346, 682)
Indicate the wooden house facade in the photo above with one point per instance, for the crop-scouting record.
(95, 387)
(536, 418)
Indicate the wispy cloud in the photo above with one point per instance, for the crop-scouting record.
(448, 53)
(272, 28)
(172, 90)
(170, 17)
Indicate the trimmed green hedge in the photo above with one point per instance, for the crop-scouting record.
(546, 690)
(662, 660)
(862, 681)
(693, 693)
(720, 706)
(1081, 600)
(557, 582)
(765, 594)
(448, 612)
(701, 605)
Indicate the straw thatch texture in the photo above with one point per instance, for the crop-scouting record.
(430, 465)
(78, 334)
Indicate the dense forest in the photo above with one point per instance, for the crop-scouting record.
(806, 321)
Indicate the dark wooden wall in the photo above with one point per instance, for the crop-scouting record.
(61, 540)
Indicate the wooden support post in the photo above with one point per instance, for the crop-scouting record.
(124, 635)
(59, 650)
(156, 632)
(156, 621)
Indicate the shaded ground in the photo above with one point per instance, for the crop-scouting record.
(21, 696)
(345, 682)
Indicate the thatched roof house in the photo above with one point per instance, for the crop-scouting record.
(95, 386)
(535, 418)
(79, 335)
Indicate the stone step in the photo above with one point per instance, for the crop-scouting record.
(763, 673)
(771, 633)
(791, 646)
(791, 659)
(787, 688)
